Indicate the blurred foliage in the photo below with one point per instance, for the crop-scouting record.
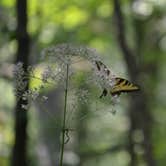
(88, 22)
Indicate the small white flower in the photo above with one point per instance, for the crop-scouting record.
(63, 53)
(44, 98)
(115, 99)
(82, 95)
(34, 94)
(31, 94)
(46, 74)
(26, 107)
(20, 79)
(18, 69)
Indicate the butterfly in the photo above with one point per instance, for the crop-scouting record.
(120, 85)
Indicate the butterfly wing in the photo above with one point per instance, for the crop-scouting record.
(104, 93)
(102, 68)
(123, 85)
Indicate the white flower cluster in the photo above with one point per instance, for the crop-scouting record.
(82, 95)
(63, 53)
(20, 80)
(31, 95)
(103, 76)
(53, 74)
(61, 56)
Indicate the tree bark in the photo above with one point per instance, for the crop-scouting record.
(19, 154)
(140, 117)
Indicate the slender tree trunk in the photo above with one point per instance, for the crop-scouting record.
(19, 155)
(139, 114)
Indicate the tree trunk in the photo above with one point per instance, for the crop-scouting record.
(140, 117)
(19, 156)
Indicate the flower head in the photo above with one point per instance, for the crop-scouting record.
(20, 79)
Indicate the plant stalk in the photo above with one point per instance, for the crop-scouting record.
(64, 117)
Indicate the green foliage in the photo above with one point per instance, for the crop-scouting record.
(91, 23)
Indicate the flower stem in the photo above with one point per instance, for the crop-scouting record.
(64, 117)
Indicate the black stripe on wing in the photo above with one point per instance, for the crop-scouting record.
(123, 85)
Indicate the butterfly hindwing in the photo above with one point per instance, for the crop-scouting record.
(104, 93)
(123, 85)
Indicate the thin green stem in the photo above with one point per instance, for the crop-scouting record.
(64, 117)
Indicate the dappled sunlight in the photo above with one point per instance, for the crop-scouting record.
(73, 16)
(72, 92)
(142, 8)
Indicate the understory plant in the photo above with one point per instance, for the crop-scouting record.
(58, 62)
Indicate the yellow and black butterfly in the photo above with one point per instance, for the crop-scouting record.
(121, 85)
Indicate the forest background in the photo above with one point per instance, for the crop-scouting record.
(131, 37)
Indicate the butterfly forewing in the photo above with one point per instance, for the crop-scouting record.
(123, 85)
